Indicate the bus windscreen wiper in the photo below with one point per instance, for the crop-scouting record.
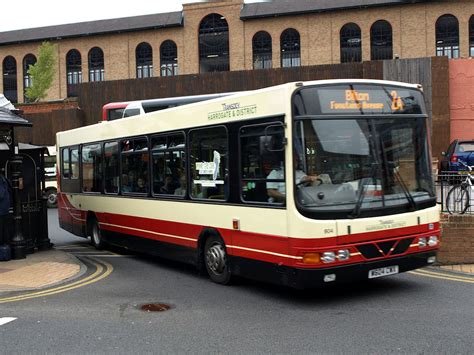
(391, 165)
(361, 195)
(403, 185)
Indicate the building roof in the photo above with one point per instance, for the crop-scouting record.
(9, 118)
(81, 29)
(292, 7)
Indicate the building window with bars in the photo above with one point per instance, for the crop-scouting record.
(168, 58)
(262, 50)
(213, 44)
(381, 42)
(447, 36)
(351, 43)
(28, 60)
(73, 69)
(96, 64)
(290, 51)
(10, 88)
(144, 60)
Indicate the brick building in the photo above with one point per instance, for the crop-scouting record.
(231, 35)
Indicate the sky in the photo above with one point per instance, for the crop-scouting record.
(34, 13)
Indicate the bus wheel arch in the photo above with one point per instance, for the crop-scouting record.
(93, 230)
(213, 257)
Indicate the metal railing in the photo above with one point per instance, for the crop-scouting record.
(453, 194)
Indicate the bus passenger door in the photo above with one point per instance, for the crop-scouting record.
(69, 215)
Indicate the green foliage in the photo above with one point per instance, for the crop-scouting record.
(42, 73)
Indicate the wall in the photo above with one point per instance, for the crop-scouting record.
(93, 96)
(47, 119)
(457, 243)
(461, 97)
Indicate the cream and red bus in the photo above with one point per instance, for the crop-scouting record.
(300, 184)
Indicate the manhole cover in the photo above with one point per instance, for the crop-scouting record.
(155, 307)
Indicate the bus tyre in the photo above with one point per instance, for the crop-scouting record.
(96, 237)
(215, 259)
(51, 198)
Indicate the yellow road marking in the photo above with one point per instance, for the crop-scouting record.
(442, 276)
(98, 275)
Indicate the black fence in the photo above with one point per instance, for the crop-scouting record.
(455, 192)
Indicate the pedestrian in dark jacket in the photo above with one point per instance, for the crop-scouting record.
(5, 202)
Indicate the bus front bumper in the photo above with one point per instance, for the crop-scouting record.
(311, 278)
(317, 277)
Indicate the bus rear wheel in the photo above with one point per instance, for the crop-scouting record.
(96, 236)
(216, 261)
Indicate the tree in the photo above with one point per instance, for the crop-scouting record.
(42, 73)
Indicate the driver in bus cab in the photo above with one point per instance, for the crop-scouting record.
(276, 190)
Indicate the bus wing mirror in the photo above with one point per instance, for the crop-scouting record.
(274, 139)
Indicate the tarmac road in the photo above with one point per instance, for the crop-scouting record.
(408, 313)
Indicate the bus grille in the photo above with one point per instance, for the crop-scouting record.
(381, 249)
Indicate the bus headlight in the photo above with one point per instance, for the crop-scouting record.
(422, 242)
(328, 257)
(343, 255)
(432, 241)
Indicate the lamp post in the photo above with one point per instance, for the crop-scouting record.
(18, 243)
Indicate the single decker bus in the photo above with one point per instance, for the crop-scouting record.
(301, 184)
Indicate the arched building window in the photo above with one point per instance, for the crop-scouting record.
(262, 50)
(381, 43)
(213, 44)
(168, 58)
(73, 69)
(10, 87)
(447, 36)
(96, 64)
(351, 43)
(471, 36)
(28, 60)
(290, 51)
(144, 60)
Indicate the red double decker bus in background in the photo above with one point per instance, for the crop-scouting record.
(116, 110)
(301, 184)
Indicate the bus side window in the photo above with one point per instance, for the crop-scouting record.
(262, 166)
(111, 168)
(135, 166)
(209, 163)
(168, 155)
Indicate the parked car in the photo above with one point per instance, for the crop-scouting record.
(458, 150)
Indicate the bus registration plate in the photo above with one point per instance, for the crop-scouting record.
(383, 271)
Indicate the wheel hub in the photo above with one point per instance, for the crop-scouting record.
(95, 235)
(215, 258)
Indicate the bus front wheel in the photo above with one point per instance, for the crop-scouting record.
(215, 259)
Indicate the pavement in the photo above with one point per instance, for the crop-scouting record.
(39, 270)
(44, 269)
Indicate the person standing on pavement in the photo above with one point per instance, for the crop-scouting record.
(5, 202)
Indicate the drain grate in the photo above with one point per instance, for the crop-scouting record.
(155, 307)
